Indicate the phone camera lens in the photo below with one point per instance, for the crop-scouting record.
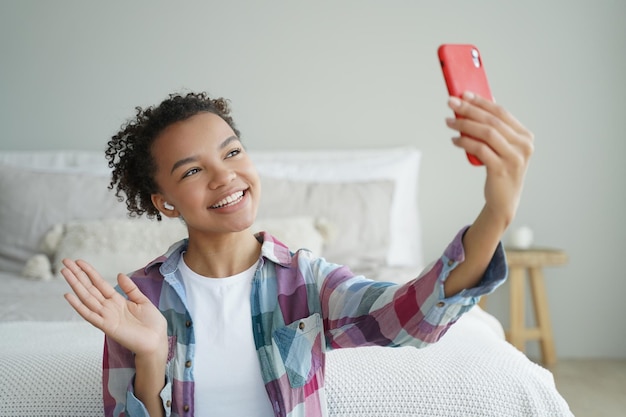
(475, 57)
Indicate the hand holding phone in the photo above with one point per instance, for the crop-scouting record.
(463, 70)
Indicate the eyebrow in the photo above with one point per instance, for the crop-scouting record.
(193, 158)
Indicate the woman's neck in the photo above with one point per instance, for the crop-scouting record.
(222, 256)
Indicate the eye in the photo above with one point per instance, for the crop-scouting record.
(191, 172)
(233, 152)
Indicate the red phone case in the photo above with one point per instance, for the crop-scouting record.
(463, 70)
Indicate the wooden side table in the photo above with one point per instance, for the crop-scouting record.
(530, 262)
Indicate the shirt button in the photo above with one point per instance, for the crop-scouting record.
(188, 323)
(450, 262)
(168, 403)
(186, 408)
(301, 326)
(441, 304)
(188, 364)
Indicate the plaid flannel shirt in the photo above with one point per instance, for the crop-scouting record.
(302, 306)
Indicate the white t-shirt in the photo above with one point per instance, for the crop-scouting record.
(226, 372)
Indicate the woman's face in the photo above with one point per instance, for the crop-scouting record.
(204, 172)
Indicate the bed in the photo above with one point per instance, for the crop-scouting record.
(56, 204)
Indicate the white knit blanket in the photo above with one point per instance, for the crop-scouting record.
(50, 369)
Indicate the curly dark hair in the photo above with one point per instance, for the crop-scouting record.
(129, 151)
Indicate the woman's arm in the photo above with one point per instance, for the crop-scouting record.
(149, 381)
(358, 311)
(505, 147)
(134, 323)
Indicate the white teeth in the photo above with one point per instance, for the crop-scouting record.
(233, 198)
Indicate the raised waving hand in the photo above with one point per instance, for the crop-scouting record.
(134, 323)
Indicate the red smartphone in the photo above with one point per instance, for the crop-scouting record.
(463, 70)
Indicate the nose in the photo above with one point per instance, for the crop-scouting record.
(221, 177)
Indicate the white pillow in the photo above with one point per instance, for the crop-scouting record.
(112, 246)
(297, 232)
(30, 196)
(32, 202)
(125, 245)
(74, 161)
(358, 211)
(401, 165)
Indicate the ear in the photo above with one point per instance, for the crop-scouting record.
(165, 208)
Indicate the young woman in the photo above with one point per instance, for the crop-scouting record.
(231, 323)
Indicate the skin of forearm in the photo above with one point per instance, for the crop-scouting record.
(479, 242)
(149, 381)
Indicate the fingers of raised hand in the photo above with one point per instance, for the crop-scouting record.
(131, 290)
(496, 110)
(485, 120)
(86, 313)
(86, 277)
(90, 290)
(478, 122)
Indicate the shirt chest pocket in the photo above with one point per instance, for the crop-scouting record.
(300, 347)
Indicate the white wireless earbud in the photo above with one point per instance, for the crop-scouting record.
(168, 206)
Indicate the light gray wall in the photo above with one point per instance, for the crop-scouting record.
(359, 73)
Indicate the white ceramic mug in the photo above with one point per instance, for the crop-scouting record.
(521, 238)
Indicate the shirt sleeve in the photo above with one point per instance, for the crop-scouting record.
(136, 408)
(362, 312)
(118, 375)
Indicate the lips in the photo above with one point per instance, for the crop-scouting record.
(232, 199)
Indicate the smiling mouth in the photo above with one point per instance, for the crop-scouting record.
(232, 199)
